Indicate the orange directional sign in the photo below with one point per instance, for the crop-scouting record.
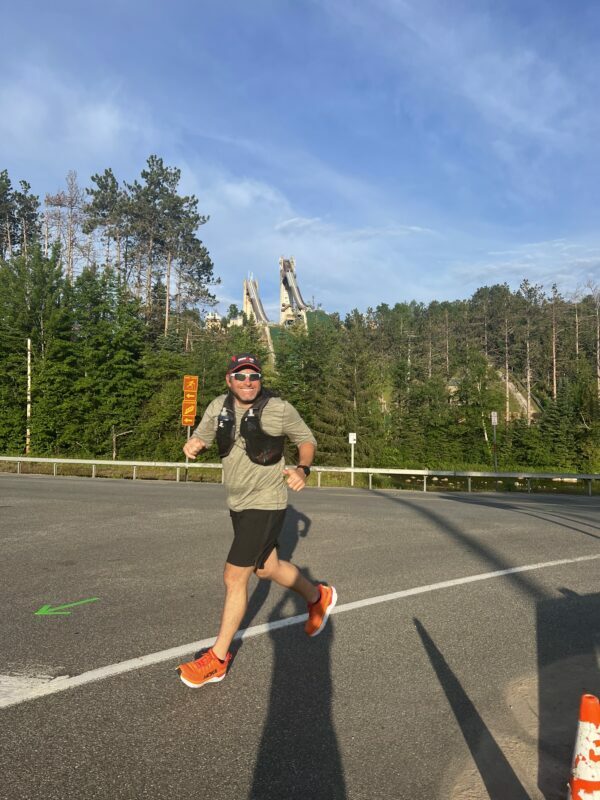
(188, 407)
(188, 413)
(190, 383)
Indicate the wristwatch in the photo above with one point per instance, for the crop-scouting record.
(304, 468)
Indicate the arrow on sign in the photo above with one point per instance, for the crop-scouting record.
(49, 611)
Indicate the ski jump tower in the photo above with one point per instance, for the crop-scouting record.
(292, 307)
(253, 308)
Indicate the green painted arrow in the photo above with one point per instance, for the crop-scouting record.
(49, 611)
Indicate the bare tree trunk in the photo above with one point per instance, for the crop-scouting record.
(118, 264)
(8, 239)
(24, 229)
(430, 357)
(554, 391)
(149, 267)
(447, 349)
(46, 234)
(178, 299)
(138, 281)
(485, 334)
(598, 343)
(595, 292)
(168, 293)
(89, 259)
(506, 392)
(70, 237)
(528, 377)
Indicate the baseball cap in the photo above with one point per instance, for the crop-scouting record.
(243, 361)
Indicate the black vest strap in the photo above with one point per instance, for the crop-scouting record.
(261, 448)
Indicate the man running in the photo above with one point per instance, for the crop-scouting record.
(250, 426)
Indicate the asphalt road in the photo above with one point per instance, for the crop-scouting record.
(462, 691)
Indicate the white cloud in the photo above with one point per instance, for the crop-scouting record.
(45, 115)
(298, 224)
(472, 55)
(568, 264)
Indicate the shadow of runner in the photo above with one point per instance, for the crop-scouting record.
(568, 646)
(568, 641)
(542, 513)
(298, 755)
(497, 774)
(295, 526)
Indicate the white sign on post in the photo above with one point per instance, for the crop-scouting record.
(351, 438)
(494, 418)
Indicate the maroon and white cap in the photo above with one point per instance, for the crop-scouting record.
(243, 361)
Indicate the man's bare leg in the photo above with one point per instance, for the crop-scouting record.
(236, 601)
(286, 574)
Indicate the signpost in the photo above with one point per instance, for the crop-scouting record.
(352, 442)
(190, 399)
(494, 426)
(189, 406)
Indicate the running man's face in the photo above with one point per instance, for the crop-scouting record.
(246, 391)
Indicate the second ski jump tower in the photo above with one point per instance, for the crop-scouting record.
(292, 308)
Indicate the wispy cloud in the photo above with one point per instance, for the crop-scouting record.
(298, 224)
(477, 56)
(45, 115)
(568, 264)
(425, 150)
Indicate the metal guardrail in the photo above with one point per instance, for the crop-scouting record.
(425, 474)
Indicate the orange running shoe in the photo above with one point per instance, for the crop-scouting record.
(319, 611)
(206, 669)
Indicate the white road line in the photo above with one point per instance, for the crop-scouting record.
(60, 684)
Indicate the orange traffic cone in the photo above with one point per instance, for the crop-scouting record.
(585, 771)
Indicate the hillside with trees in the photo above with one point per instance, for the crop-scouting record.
(112, 283)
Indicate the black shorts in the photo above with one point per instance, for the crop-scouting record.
(255, 535)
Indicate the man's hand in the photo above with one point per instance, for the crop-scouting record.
(193, 446)
(296, 479)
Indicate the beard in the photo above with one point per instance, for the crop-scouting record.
(245, 398)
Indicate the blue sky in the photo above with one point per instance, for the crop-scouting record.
(398, 149)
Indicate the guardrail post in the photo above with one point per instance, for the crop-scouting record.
(18, 467)
(54, 466)
(529, 485)
(589, 483)
(318, 480)
(469, 484)
(370, 480)
(424, 483)
(134, 473)
(177, 471)
(93, 470)
(222, 475)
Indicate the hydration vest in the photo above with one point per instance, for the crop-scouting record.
(260, 447)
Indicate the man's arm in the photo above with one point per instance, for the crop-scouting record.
(194, 446)
(296, 478)
(204, 435)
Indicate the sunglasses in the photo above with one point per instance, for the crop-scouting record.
(241, 376)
